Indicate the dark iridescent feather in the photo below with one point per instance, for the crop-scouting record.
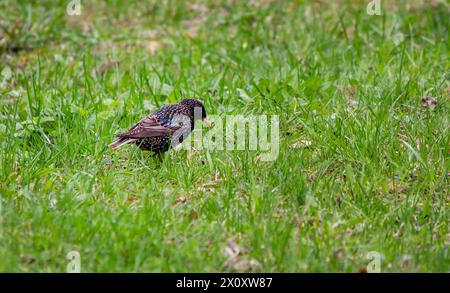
(156, 131)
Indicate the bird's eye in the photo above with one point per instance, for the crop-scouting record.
(181, 123)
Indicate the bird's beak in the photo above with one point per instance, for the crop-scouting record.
(207, 122)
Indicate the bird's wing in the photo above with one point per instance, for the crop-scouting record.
(150, 126)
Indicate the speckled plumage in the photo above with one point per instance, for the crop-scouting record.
(164, 128)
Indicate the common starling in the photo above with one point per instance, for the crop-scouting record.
(164, 128)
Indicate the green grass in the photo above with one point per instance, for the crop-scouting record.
(375, 176)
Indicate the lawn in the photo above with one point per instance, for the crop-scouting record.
(362, 173)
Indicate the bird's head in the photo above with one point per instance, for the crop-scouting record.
(197, 109)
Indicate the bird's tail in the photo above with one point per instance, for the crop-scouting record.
(121, 141)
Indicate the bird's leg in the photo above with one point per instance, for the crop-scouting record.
(159, 156)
